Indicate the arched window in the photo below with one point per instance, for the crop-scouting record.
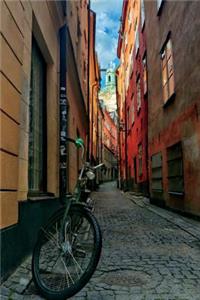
(109, 78)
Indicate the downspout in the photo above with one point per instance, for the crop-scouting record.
(126, 148)
(118, 135)
(88, 95)
(92, 115)
(63, 103)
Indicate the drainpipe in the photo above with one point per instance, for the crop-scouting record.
(63, 103)
(88, 95)
(92, 115)
(118, 133)
(126, 146)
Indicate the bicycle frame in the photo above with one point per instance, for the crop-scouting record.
(75, 197)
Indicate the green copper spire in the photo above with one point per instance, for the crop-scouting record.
(110, 77)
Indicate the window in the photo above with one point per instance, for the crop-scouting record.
(126, 40)
(140, 159)
(159, 5)
(37, 123)
(167, 71)
(128, 119)
(138, 94)
(78, 29)
(131, 62)
(175, 169)
(142, 14)
(130, 18)
(132, 110)
(144, 62)
(136, 42)
(156, 168)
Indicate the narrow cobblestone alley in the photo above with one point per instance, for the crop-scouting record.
(144, 255)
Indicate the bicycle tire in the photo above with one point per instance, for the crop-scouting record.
(47, 272)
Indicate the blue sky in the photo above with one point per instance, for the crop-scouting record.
(108, 13)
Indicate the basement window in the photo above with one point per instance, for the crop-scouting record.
(156, 168)
(175, 169)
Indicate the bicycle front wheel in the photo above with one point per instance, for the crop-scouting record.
(66, 253)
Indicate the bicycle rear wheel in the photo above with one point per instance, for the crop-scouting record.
(65, 257)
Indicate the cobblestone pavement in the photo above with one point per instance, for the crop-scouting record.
(148, 253)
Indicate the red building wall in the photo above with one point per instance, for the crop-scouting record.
(134, 117)
(137, 129)
(110, 133)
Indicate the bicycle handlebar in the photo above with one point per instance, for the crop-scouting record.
(98, 166)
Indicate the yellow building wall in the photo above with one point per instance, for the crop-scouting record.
(19, 21)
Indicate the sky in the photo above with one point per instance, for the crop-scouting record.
(108, 13)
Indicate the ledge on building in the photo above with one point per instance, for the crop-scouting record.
(177, 194)
(40, 196)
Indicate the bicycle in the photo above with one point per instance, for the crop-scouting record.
(68, 248)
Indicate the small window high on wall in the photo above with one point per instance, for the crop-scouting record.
(37, 122)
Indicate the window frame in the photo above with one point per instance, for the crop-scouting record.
(165, 57)
(138, 84)
(145, 78)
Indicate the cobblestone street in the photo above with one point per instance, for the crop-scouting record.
(148, 253)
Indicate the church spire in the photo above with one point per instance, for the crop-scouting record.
(110, 77)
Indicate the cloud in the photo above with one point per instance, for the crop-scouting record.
(108, 13)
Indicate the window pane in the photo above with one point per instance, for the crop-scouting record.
(165, 93)
(171, 85)
(170, 67)
(167, 71)
(142, 13)
(159, 2)
(37, 119)
(145, 75)
(138, 94)
(164, 76)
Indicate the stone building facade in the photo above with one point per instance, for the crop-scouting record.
(110, 149)
(166, 68)
(30, 70)
(94, 86)
(173, 57)
(132, 98)
(108, 111)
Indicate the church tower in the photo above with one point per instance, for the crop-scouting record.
(110, 78)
